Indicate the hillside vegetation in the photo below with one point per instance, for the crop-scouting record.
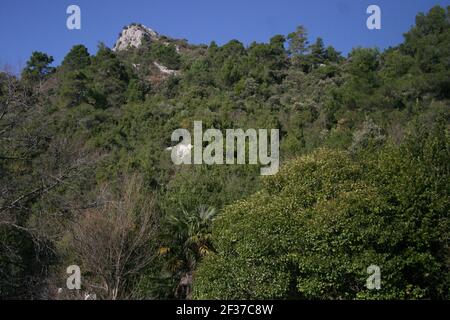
(85, 177)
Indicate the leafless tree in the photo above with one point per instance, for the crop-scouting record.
(116, 241)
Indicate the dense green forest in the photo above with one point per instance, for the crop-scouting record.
(85, 177)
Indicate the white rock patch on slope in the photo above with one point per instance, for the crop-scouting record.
(164, 69)
(181, 152)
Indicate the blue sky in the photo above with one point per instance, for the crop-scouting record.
(29, 25)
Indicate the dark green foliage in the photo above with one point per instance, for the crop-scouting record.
(78, 58)
(166, 54)
(298, 41)
(73, 89)
(38, 67)
(109, 78)
(318, 53)
(332, 55)
(136, 91)
(428, 42)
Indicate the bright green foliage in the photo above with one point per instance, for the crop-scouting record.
(314, 228)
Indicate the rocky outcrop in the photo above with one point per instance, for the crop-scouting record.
(133, 35)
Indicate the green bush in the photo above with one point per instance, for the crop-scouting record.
(315, 228)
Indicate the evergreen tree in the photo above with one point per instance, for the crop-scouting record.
(78, 58)
(110, 78)
(298, 41)
(37, 67)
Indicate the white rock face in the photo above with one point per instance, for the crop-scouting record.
(181, 152)
(164, 69)
(133, 35)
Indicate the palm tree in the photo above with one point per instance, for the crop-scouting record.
(190, 238)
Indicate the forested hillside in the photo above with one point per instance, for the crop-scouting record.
(85, 177)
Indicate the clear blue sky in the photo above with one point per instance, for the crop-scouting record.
(28, 25)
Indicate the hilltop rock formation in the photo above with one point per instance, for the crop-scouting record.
(133, 35)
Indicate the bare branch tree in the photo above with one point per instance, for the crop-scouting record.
(115, 242)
